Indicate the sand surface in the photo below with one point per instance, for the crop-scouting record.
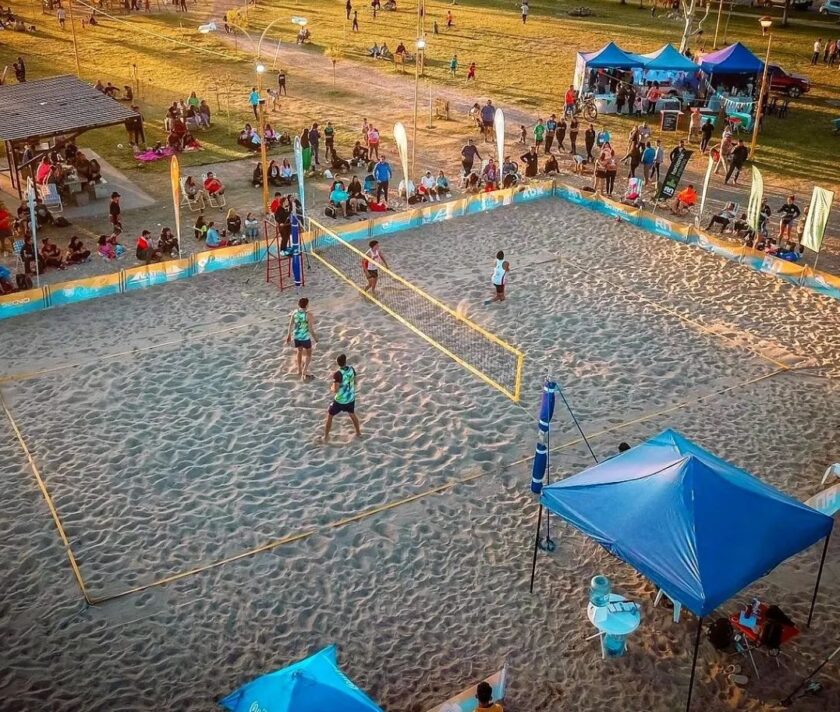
(172, 433)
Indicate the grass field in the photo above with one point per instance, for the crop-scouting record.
(527, 66)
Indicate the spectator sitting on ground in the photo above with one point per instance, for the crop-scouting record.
(287, 175)
(685, 199)
(200, 228)
(43, 216)
(273, 171)
(472, 183)
(244, 138)
(29, 256)
(407, 192)
(723, 218)
(7, 285)
(76, 252)
(252, 227)
(355, 188)
(270, 135)
(167, 243)
(360, 154)
(551, 167)
(442, 185)
(146, 251)
(337, 163)
(109, 246)
(214, 239)
(339, 197)
(213, 185)
(428, 186)
(304, 35)
(490, 175)
(50, 254)
(234, 223)
(510, 173)
(257, 177)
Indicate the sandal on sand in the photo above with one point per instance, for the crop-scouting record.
(733, 669)
(738, 679)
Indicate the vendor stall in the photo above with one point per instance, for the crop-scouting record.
(600, 72)
(674, 73)
(731, 77)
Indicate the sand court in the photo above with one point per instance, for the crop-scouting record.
(172, 450)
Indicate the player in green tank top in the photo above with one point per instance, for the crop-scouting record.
(344, 399)
(302, 330)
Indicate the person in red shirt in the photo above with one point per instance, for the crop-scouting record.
(213, 185)
(570, 100)
(471, 72)
(275, 204)
(145, 250)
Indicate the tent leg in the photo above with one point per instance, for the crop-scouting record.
(694, 663)
(819, 576)
(536, 549)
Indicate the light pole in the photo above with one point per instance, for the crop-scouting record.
(75, 43)
(717, 24)
(263, 143)
(421, 45)
(765, 22)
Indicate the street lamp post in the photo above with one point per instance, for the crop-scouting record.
(765, 22)
(75, 43)
(421, 46)
(263, 143)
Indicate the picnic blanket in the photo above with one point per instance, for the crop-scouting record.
(149, 155)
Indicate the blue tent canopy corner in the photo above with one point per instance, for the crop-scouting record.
(735, 59)
(314, 684)
(668, 59)
(610, 55)
(697, 526)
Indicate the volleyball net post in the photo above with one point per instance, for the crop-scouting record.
(482, 353)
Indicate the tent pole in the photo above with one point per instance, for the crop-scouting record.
(819, 576)
(536, 549)
(577, 424)
(694, 663)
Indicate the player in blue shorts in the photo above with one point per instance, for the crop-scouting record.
(344, 399)
(302, 330)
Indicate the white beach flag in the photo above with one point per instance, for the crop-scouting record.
(817, 218)
(499, 126)
(401, 139)
(705, 189)
(756, 194)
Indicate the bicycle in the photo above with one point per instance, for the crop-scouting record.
(586, 107)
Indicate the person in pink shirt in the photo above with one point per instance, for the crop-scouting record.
(373, 142)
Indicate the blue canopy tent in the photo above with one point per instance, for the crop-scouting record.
(314, 684)
(662, 507)
(735, 59)
(610, 56)
(667, 59)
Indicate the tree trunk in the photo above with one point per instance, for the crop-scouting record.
(785, 13)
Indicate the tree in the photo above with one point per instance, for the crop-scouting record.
(785, 13)
(693, 26)
(334, 53)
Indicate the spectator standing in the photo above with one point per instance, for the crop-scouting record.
(329, 141)
(254, 101)
(648, 161)
(314, 142)
(373, 141)
(453, 65)
(355, 21)
(589, 142)
(471, 72)
(678, 151)
(531, 161)
(736, 162)
(815, 57)
(573, 134)
(468, 155)
(790, 211)
(657, 161)
(569, 101)
(61, 16)
(561, 133)
(550, 132)
(524, 12)
(539, 134)
(114, 210)
(706, 131)
(348, 7)
(281, 83)
(382, 175)
(449, 19)
(488, 113)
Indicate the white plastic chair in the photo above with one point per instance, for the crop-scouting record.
(194, 204)
(48, 192)
(827, 501)
(17, 248)
(677, 604)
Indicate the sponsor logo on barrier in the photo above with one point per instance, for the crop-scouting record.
(18, 302)
(663, 225)
(257, 707)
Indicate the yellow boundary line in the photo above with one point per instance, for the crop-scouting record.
(672, 312)
(307, 533)
(26, 375)
(520, 357)
(53, 511)
(469, 323)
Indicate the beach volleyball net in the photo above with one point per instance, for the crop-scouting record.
(482, 353)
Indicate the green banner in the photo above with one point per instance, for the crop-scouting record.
(817, 218)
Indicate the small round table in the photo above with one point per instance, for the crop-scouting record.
(614, 626)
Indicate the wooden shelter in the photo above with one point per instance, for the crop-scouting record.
(42, 110)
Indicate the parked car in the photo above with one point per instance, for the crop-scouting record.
(830, 7)
(795, 4)
(793, 85)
